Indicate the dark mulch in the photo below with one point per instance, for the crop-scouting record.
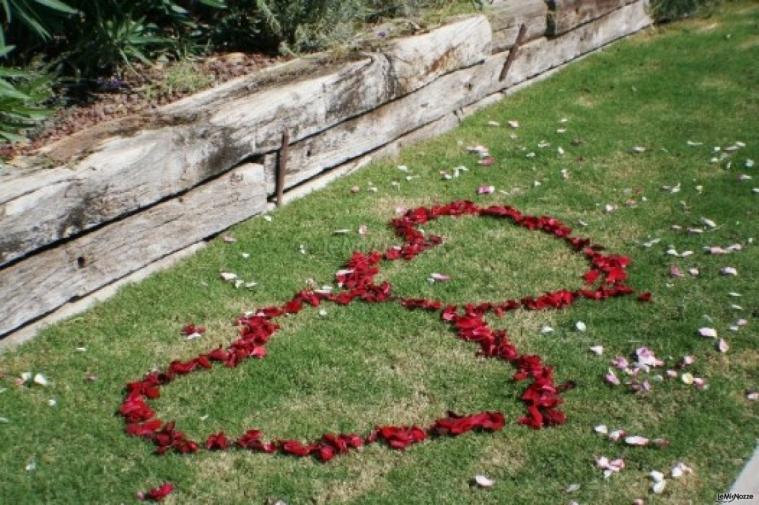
(139, 89)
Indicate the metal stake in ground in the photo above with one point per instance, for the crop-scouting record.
(281, 167)
(513, 52)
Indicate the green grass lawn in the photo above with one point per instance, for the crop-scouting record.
(363, 365)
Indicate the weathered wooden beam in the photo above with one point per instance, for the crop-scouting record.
(109, 171)
(40, 284)
(565, 15)
(507, 16)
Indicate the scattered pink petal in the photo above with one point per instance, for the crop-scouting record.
(616, 435)
(612, 378)
(752, 396)
(485, 190)
(674, 271)
(363, 230)
(229, 239)
(687, 360)
(486, 161)
(700, 383)
(620, 362)
(672, 374)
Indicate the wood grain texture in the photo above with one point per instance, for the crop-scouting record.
(205, 135)
(565, 15)
(45, 281)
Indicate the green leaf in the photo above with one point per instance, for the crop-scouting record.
(57, 5)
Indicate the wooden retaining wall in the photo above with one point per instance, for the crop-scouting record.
(102, 206)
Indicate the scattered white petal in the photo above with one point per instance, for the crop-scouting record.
(402, 168)
(658, 487)
(494, 123)
(722, 345)
(572, 488)
(229, 239)
(52, 402)
(267, 218)
(651, 243)
(694, 272)
(638, 149)
(546, 329)
(4, 420)
(438, 277)
(341, 231)
(687, 378)
(728, 271)
(580, 326)
(513, 124)
(609, 208)
(565, 174)
(483, 481)
(228, 276)
(560, 151)
(601, 429)
(40, 380)
(708, 222)
(656, 475)
(680, 469)
(598, 350)
(322, 312)
(707, 332)
(363, 230)
(744, 177)
(672, 189)
(752, 396)
(694, 144)
(31, 466)
(637, 441)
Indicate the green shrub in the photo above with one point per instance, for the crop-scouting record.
(22, 98)
(667, 10)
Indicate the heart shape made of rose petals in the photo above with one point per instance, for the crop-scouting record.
(605, 279)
